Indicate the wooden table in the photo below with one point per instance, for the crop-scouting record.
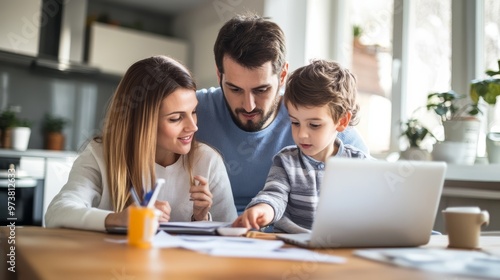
(43, 253)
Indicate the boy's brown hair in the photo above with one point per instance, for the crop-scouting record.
(320, 83)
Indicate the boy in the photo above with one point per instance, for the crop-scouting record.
(321, 102)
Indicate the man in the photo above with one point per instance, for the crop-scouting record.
(245, 119)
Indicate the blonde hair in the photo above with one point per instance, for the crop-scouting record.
(323, 82)
(130, 128)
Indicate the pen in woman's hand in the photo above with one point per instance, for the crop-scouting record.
(135, 196)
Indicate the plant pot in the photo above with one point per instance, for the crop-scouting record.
(20, 138)
(451, 152)
(464, 130)
(493, 147)
(6, 138)
(54, 141)
(413, 153)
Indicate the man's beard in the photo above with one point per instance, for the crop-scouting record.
(251, 126)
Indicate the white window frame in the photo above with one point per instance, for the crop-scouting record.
(467, 61)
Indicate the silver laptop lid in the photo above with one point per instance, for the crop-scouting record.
(369, 203)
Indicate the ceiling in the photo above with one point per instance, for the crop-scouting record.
(161, 6)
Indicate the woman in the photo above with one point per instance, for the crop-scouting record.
(148, 134)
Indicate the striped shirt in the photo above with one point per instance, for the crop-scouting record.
(293, 185)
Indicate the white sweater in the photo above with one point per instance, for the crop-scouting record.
(85, 200)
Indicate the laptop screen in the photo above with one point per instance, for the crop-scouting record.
(366, 203)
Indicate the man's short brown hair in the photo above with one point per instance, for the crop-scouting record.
(251, 41)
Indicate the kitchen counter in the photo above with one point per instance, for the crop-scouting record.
(471, 185)
(50, 168)
(473, 173)
(37, 153)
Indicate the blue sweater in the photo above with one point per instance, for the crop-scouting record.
(248, 155)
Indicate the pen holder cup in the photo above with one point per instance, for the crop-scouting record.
(142, 226)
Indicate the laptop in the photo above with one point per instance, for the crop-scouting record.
(370, 203)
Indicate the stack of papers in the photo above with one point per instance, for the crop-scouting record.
(240, 247)
(202, 237)
(460, 262)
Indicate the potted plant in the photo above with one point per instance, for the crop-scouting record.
(52, 128)
(15, 131)
(7, 121)
(444, 104)
(415, 133)
(357, 31)
(20, 133)
(487, 89)
(460, 123)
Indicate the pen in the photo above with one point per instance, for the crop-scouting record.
(135, 196)
(151, 200)
(261, 235)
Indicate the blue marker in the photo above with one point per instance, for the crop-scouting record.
(150, 198)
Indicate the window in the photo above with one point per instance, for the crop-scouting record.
(428, 65)
(491, 33)
(491, 57)
(371, 64)
(406, 53)
(429, 59)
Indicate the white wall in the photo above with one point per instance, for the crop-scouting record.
(200, 28)
(290, 15)
(310, 29)
(317, 29)
(308, 26)
(314, 29)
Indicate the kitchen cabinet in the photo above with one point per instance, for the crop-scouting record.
(49, 168)
(20, 26)
(113, 49)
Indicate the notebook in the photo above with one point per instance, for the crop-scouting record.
(370, 203)
(199, 227)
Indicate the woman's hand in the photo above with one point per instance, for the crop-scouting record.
(201, 197)
(117, 219)
(165, 209)
(121, 218)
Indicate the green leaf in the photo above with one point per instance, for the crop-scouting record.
(53, 123)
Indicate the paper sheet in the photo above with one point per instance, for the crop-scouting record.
(205, 243)
(282, 254)
(460, 262)
(238, 247)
